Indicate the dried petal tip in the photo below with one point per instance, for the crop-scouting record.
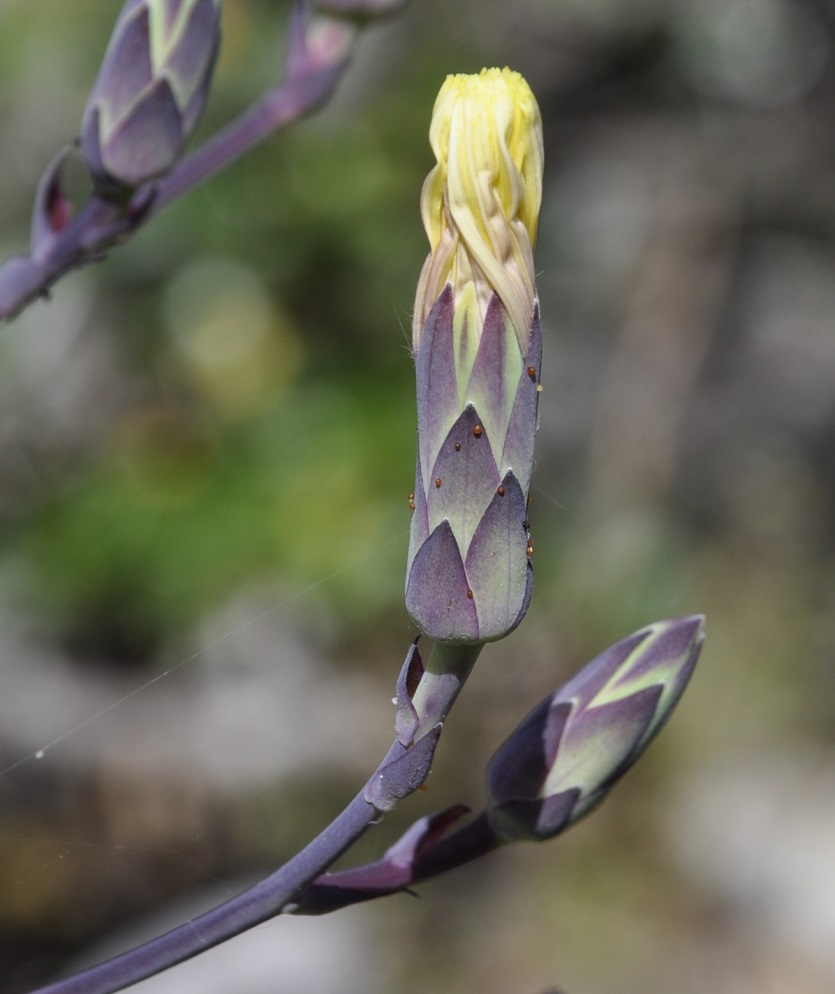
(566, 755)
(480, 204)
(150, 91)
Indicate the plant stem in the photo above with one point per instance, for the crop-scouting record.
(299, 94)
(401, 772)
(315, 64)
(255, 905)
(446, 671)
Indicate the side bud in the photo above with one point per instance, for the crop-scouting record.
(150, 91)
(565, 756)
(477, 347)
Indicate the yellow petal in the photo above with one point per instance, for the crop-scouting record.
(480, 204)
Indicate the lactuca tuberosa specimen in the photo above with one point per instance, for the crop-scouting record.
(477, 346)
(150, 91)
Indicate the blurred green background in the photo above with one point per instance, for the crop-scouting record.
(206, 449)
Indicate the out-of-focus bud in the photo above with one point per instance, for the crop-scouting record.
(566, 755)
(150, 91)
(477, 348)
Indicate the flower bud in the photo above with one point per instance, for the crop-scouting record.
(150, 91)
(477, 348)
(566, 755)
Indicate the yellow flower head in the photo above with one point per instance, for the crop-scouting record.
(480, 203)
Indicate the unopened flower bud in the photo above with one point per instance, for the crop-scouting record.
(477, 348)
(150, 91)
(566, 755)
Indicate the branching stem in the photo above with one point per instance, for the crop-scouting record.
(401, 772)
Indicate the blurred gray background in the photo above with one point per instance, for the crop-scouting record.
(206, 447)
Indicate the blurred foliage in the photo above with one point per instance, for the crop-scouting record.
(261, 323)
(223, 409)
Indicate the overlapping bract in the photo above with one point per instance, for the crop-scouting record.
(565, 756)
(150, 91)
(477, 346)
(469, 575)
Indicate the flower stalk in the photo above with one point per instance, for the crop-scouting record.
(426, 693)
(320, 48)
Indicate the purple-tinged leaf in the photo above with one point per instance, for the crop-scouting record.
(676, 646)
(526, 599)
(396, 871)
(52, 211)
(419, 531)
(497, 562)
(519, 441)
(495, 374)
(126, 70)
(670, 642)
(534, 818)
(423, 834)
(584, 686)
(436, 590)
(402, 776)
(192, 61)
(91, 147)
(437, 390)
(520, 765)
(600, 741)
(464, 478)
(556, 812)
(147, 142)
(407, 720)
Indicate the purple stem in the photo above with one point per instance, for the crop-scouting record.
(313, 71)
(255, 905)
(402, 771)
(302, 92)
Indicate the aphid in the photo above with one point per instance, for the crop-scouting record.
(457, 446)
(437, 483)
(500, 491)
(469, 595)
(411, 502)
(478, 431)
(529, 547)
(532, 373)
